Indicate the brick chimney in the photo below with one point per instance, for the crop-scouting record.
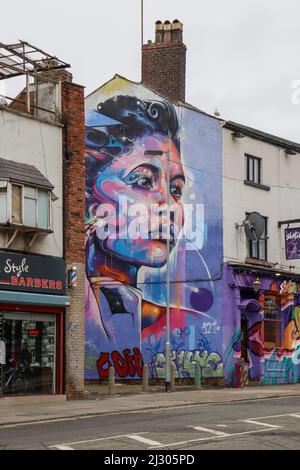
(163, 62)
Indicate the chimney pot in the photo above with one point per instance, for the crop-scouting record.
(167, 38)
(177, 28)
(158, 32)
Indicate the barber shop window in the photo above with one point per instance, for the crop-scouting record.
(24, 205)
(273, 325)
(257, 249)
(253, 169)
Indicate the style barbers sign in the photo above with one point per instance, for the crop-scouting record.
(32, 273)
(292, 243)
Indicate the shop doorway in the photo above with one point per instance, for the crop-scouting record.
(244, 354)
(30, 340)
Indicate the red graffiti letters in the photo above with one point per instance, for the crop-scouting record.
(102, 361)
(129, 364)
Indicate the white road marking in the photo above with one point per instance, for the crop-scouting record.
(253, 421)
(218, 434)
(266, 417)
(222, 425)
(138, 438)
(64, 448)
(211, 438)
(95, 440)
(212, 431)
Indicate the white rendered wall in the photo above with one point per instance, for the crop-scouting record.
(27, 140)
(281, 173)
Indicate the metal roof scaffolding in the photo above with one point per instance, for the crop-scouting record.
(24, 59)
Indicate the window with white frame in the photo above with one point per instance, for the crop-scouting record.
(24, 205)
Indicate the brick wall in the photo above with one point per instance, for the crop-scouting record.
(164, 62)
(74, 336)
(74, 211)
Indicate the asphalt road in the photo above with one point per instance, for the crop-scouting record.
(253, 425)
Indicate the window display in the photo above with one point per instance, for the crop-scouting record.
(30, 353)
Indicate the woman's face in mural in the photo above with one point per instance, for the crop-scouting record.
(134, 187)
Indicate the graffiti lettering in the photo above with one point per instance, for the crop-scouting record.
(288, 287)
(184, 364)
(102, 361)
(210, 327)
(125, 365)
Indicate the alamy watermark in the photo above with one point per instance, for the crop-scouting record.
(137, 221)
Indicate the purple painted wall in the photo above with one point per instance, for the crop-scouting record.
(267, 364)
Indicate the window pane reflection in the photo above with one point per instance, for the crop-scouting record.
(30, 357)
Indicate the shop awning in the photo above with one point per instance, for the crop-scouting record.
(22, 298)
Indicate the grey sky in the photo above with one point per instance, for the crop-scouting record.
(243, 56)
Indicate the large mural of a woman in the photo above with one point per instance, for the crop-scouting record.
(127, 143)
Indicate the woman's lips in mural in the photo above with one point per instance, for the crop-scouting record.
(160, 233)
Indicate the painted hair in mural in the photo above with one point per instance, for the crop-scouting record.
(127, 143)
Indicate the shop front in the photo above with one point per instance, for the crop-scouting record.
(265, 324)
(32, 307)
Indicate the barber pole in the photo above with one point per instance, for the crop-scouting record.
(73, 278)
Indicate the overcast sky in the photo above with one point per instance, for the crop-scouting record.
(243, 56)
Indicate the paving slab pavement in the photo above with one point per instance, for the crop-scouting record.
(131, 400)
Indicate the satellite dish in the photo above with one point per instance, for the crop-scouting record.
(254, 226)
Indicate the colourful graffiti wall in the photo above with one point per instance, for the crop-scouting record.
(272, 335)
(130, 135)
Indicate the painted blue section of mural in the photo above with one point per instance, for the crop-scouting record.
(126, 275)
(196, 266)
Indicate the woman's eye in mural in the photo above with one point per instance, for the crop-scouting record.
(144, 182)
(142, 177)
(176, 187)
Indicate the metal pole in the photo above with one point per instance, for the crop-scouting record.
(36, 111)
(111, 381)
(197, 376)
(142, 23)
(27, 94)
(168, 344)
(145, 387)
(168, 227)
(172, 378)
